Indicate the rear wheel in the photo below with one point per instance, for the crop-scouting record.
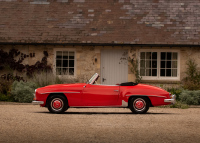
(57, 104)
(139, 105)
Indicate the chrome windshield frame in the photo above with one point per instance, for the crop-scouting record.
(93, 78)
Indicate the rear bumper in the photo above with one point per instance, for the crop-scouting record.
(37, 102)
(172, 100)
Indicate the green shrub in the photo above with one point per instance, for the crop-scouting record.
(179, 105)
(175, 91)
(5, 86)
(190, 97)
(4, 97)
(23, 91)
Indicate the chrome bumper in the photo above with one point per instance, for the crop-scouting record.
(172, 100)
(37, 102)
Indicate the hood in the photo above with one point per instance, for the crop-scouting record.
(78, 87)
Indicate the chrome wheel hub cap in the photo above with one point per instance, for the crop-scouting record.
(57, 104)
(139, 104)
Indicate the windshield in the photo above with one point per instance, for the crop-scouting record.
(93, 78)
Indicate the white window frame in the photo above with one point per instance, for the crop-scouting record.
(54, 63)
(158, 77)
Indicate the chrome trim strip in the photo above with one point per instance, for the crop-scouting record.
(37, 102)
(172, 100)
(147, 95)
(169, 100)
(59, 92)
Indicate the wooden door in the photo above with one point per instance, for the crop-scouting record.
(114, 66)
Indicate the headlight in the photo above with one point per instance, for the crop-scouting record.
(34, 95)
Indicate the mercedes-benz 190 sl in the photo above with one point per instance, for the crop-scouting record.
(137, 97)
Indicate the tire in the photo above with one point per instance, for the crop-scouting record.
(57, 104)
(139, 105)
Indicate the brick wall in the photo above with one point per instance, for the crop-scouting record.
(100, 21)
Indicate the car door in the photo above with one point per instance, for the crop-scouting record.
(101, 95)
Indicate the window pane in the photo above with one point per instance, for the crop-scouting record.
(58, 71)
(58, 63)
(71, 63)
(71, 55)
(162, 72)
(148, 55)
(163, 55)
(154, 55)
(154, 72)
(65, 63)
(175, 56)
(168, 73)
(148, 64)
(142, 64)
(65, 71)
(174, 72)
(71, 71)
(169, 56)
(174, 64)
(148, 72)
(58, 54)
(162, 64)
(154, 64)
(142, 55)
(168, 64)
(142, 72)
(65, 55)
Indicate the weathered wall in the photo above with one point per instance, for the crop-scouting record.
(85, 59)
(189, 53)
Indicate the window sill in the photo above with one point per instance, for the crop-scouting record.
(161, 81)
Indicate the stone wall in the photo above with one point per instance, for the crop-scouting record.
(88, 59)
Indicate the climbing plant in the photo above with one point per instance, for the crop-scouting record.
(192, 79)
(134, 69)
(133, 65)
(8, 59)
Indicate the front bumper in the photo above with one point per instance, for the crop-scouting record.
(172, 100)
(37, 102)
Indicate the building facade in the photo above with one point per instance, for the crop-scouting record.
(83, 37)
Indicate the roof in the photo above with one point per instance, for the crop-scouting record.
(100, 21)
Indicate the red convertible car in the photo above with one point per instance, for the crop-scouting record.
(137, 97)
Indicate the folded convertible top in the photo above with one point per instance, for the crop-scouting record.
(128, 84)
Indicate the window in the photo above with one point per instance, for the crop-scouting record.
(65, 62)
(160, 65)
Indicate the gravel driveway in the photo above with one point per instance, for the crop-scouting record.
(31, 123)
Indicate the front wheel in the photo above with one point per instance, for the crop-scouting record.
(57, 104)
(139, 105)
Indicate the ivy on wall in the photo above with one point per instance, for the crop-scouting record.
(8, 60)
(133, 65)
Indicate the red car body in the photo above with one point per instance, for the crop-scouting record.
(58, 98)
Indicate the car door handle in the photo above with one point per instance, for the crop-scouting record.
(116, 90)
